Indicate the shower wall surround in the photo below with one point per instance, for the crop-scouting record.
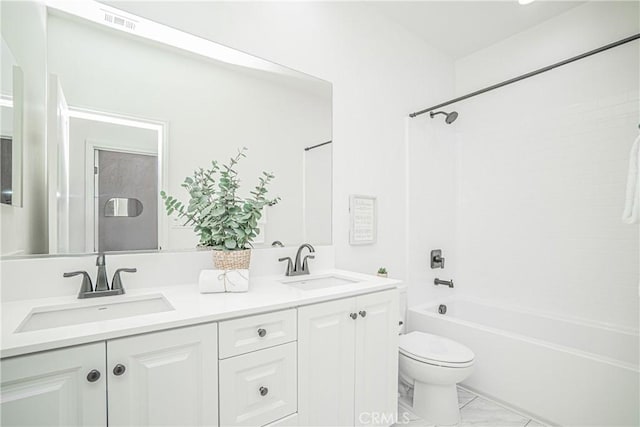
(542, 168)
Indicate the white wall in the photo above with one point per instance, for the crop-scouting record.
(6, 121)
(542, 169)
(432, 188)
(6, 68)
(380, 73)
(24, 229)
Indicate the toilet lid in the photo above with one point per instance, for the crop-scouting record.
(428, 347)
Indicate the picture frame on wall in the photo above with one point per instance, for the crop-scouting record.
(363, 223)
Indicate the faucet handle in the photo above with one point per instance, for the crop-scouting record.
(437, 260)
(86, 286)
(305, 265)
(116, 282)
(289, 265)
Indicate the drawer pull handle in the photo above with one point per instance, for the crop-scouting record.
(363, 313)
(262, 332)
(93, 376)
(354, 316)
(119, 369)
(263, 391)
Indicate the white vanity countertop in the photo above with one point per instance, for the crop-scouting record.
(266, 293)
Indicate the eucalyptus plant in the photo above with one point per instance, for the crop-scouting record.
(221, 219)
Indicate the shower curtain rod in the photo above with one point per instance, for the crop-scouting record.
(317, 145)
(529, 74)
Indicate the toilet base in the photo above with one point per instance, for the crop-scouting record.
(436, 403)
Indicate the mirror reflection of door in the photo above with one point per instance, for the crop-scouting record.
(133, 176)
(6, 170)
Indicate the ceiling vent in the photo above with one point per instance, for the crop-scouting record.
(119, 21)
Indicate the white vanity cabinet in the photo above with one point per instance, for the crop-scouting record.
(348, 361)
(55, 388)
(161, 378)
(327, 363)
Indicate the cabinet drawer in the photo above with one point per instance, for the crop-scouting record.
(239, 336)
(260, 387)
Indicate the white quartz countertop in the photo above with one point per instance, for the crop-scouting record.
(266, 293)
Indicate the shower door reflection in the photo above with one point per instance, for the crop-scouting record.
(131, 176)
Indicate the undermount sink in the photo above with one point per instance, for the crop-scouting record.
(74, 314)
(309, 283)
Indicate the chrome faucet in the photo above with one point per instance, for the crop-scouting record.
(102, 283)
(299, 267)
(448, 283)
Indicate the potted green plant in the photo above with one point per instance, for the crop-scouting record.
(382, 272)
(223, 221)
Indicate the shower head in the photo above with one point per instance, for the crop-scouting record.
(450, 117)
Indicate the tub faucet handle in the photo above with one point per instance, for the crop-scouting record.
(437, 260)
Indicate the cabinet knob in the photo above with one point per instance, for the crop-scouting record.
(93, 376)
(263, 391)
(354, 316)
(262, 332)
(363, 313)
(119, 369)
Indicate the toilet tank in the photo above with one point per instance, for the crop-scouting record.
(402, 300)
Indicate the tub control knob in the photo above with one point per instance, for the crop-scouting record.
(262, 332)
(437, 260)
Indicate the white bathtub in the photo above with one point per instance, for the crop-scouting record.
(561, 371)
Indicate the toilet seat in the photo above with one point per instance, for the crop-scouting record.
(435, 350)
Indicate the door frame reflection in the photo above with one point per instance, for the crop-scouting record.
(161, 130)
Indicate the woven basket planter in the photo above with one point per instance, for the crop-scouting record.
(232, 260)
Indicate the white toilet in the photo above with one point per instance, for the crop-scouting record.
(431, 366)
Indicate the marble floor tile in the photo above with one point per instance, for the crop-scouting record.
(481, 412)
(410, 420)
(464, 397)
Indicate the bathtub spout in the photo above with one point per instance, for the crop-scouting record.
(448, 283)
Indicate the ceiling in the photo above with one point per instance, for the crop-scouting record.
(458, 28)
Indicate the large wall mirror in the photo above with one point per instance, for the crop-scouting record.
(133, 107)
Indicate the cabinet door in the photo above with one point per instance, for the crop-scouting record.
(169, 378)
(376, 376)
(52, 388)
(326, 363)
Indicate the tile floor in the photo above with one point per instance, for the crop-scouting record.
(477, 411)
